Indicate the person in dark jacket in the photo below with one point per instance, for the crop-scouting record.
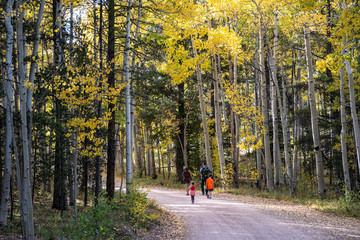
(205, 173)
(186, 177)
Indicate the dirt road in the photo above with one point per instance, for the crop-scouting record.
(252, 219)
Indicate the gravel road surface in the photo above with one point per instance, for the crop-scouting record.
(252, 218)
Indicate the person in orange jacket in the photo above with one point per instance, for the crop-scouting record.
(209, 185)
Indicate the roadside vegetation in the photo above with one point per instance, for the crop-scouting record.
(127, 216)
(335, 203)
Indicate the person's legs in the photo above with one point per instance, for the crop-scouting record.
(202, 186)
(192, 199)
(187, 188)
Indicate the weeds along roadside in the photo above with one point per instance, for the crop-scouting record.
(335, 203)
(122, 218)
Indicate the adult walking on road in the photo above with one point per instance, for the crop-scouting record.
(205, 173)
(186, 177)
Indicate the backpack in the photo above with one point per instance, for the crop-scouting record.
(186, 176)
(205, 173)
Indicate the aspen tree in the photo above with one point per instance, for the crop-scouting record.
(8, 84)
(353, 109)
(137, 154)
(314, 118)
(129, 149)
(111, 147)
(203, 111)
(74, 181)
(98, 104)
(343, 134)
(26, 204)
(218, 123)
(264, 101)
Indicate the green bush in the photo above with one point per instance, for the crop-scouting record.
(93, 223)
(136, 208)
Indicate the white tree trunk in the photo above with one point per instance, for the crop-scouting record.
(295, 150)
(203, 111)
(237, 133)
(343, 134)
(285, 127)
(257, 100)
(26, 177)
(218, 123)
(353, 110)
(35, 51)
(264, 100)
(137, 155)
(8, 84)
(314, 119)
(129, 149)
(73, 196)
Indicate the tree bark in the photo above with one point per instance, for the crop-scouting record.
(257, 93)
(8, 85)
(98, 104)
(111, 150)
(314, 118)
(353, 110)
(137, 154)
(129, 149)
(344, 157)
(296, 133)
(218, 123)
(285, 128)
(203, 111)
(26, 164)
(234, 124)
(264, 100)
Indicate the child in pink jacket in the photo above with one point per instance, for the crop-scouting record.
(192, 192)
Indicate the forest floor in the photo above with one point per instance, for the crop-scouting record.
(49, 225)
(228, 216)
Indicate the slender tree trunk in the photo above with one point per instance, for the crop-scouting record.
(264, 100)
(98, 104)
(74, 181)
(179, 159)
(35, 51)
(159, 160)
(26, 166)
(314, 119)
(295, 132)
(347, 180)
(111, 149)
(147, 162)
(153, 167)
(257, 94)
(285, 128)
(129, 153)
(203, 111)
(218, 123)
(353, 110)
(8, 84)
(137, 150)
(278, 179)
(59, 200)
(133, 58)
(85, 177)
(234, 124)
(221, 90)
